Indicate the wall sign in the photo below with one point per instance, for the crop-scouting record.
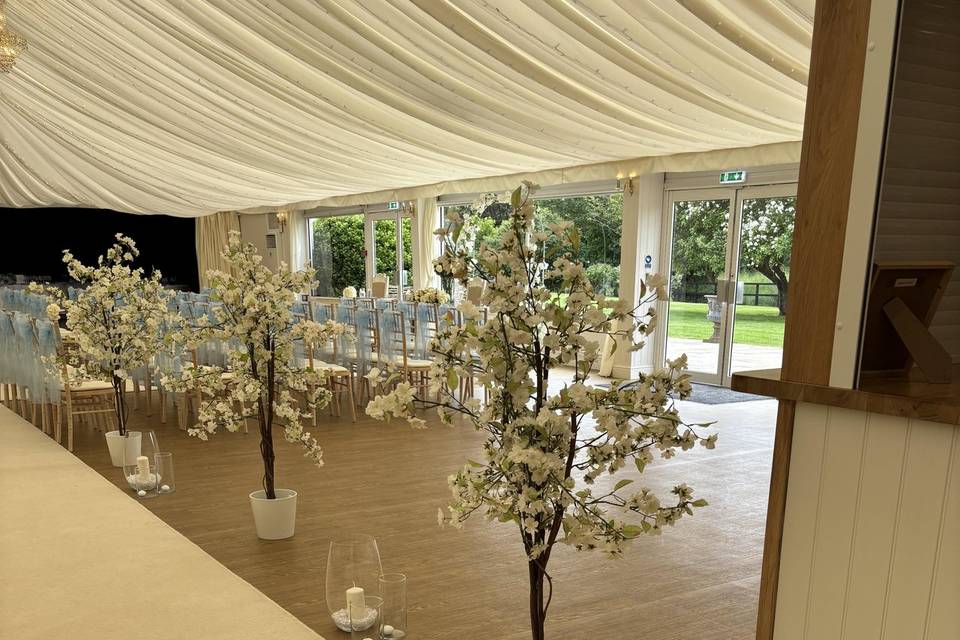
(393, 205)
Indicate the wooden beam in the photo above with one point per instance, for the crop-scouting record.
(837, 61)
(823, 194)
(776, 507)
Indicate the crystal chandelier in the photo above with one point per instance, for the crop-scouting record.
(11, 44)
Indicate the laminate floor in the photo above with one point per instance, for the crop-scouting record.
(699, 581)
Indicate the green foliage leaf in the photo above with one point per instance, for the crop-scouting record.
(622, 484)
(699, 503)
(452, 379)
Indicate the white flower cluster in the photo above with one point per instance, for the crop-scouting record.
(430, 295)
(545, 451)
(120, 319)
(252, 309)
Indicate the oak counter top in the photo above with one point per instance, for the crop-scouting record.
(907, 397)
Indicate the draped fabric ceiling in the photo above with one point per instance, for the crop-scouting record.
(187, 108)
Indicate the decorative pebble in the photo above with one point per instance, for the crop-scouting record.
(141, 493)
(387, 630)
(165, 487)
(342, 619)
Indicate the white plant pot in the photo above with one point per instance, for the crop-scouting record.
(123, 447)
(274, 519)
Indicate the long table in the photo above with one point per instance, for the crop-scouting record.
(81, 559)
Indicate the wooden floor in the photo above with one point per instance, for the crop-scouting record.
(698, 581)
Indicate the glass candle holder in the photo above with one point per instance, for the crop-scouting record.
(143, 485)
(365, 622)
(166, 481)
(393, 590)
(353, 564)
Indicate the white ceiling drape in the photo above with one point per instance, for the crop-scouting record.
(186, 107)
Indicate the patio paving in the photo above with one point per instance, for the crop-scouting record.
(702, 356)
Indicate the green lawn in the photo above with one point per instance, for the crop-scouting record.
(754, 325)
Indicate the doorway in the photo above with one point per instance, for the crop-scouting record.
(729, 255)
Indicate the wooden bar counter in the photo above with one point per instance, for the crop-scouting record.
(909, 397)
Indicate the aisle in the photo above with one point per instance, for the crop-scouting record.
(388, 480)
(80, 559)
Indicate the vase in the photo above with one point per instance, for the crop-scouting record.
(366, 622)
(274, 519)
(123, 448)
(352, 561)
(393, 615)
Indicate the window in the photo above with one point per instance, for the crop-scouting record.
(599, 219)
(399, 275)
(336, 252)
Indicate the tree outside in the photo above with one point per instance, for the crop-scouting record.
(700, 238)
(338, 251)
(598, 219)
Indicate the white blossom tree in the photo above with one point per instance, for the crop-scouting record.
(262, 380)
(119, 319)
(544, 449)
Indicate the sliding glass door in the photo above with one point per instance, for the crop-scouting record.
(699, 255)
(729, 258)
(390, 248)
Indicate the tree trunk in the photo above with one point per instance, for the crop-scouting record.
(776, 275)
(266, 451)
(265, 418)
(537, 613)
(120, 404)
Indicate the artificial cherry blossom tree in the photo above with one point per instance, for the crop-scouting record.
(544, 448)
(263, 380)
(119, 319)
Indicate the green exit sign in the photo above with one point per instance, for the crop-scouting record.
(733, 177)
(393, 205)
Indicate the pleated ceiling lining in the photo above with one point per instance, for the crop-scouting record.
(192, 107)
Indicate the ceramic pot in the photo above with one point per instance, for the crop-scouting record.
(274, 519)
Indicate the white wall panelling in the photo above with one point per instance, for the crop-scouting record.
(871, 545)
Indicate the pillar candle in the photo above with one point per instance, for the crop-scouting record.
(355, 604)
(143, 468)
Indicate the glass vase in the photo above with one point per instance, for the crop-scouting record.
(393, 590)
(352, 562)
(365, 622)
(166, 479)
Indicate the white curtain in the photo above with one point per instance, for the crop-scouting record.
(299, 243)
(212, 234)
(426, 221)
(188, 108)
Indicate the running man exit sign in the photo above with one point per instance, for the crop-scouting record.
(733, 177)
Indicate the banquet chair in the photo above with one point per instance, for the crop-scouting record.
(90, 400)
(325, 358)
(396, 347)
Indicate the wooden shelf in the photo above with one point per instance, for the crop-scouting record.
(895, 396)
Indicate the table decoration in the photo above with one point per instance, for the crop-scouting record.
(365, 618)
(393, 590)
(164, 466)
(353, 570)
(545, 451)
(429, 295)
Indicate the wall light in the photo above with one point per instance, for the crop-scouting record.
(628, 184)
(282, 217)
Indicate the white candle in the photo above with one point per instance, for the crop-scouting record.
(143, 469)
(355, 604)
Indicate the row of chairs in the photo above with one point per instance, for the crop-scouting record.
(40, 390)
